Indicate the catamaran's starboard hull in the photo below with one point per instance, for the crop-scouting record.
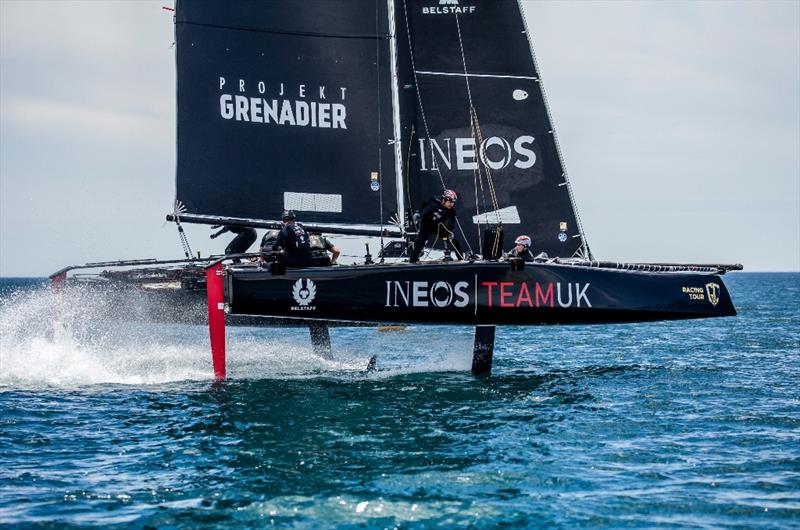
(476, 293)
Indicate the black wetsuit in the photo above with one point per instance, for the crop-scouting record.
(270, 236)
(294, 241)
(245, 236)
(434, 218)
(526, 255)
(327, 244)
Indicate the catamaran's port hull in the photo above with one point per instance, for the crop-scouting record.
(481, 293)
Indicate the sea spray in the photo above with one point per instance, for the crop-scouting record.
(70, 337)
(81, 336)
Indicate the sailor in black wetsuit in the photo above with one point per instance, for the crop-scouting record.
(522, 249)
(293, 243)
(333, 249)
(437, 216)
(245, 236)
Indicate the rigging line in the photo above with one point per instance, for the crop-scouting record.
(187, 250)
(422, 110)
(416, 89)
(477, 137)
(487, 169)
(477, 132)
(473, 118)
(380, 157)
(449, 239)
(464, 62)
(408, 170)
(478, 181)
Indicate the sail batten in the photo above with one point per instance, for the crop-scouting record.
(367, 36)
(472, 74)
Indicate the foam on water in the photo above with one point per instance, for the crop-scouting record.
(66, 339)
(70, 338)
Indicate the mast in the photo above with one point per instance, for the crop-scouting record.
(398, 152)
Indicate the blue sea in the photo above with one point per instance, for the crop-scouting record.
(692, 424)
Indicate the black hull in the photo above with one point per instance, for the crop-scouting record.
(480, 293)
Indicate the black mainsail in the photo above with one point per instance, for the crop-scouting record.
(285, 105)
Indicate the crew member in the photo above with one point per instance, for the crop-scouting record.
(245, 236)
(437, 216)
(270, 236)
(330, 247)
(522, 249)
(293, 243)
(320, 246)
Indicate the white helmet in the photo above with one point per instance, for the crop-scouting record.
(449, 195)
(525, 241)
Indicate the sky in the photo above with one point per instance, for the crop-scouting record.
(679, 123)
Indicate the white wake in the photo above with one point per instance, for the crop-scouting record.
(71, 339)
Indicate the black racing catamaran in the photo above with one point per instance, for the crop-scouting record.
(352, 113)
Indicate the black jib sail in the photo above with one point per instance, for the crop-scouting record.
(285, 105)
(479, 123)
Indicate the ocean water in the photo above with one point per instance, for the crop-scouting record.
(692, 424)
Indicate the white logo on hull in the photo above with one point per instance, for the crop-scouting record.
(426, 294)
(304, 292)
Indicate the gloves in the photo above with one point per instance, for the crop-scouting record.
(415, 218)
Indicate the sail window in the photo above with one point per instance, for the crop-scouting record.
(312, 202)
(506, 216)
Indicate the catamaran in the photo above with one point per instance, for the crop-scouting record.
(352, 113)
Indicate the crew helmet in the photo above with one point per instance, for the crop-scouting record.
(449, 195)
(288, 215)
(525, 241)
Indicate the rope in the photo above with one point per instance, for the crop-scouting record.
(408, 170)
(422, 111)
(449, 240)
(416, 86)
(187, 250)
(477, 137)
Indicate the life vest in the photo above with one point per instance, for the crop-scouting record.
(319, 255)
(297, 238)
